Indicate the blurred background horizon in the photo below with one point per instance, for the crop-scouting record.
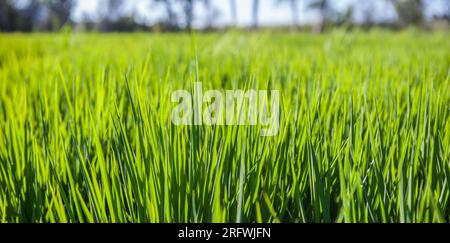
(177, 15)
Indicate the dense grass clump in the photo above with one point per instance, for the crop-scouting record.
(86, 135)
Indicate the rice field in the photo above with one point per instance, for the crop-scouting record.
(86, 132)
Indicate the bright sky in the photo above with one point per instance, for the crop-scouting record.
(269, 14)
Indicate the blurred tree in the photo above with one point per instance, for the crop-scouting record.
(233, 10)
(409, 12)
(114, 18)
(293, 4)
(189, 12)
(368, 11)
(346, 17)
(29, 14)
(447, 15)
(109, 11)
(87, 23)
(8, 15)
(255, 11)
(112, 9)
(34, 14)
(171, 21)
(211, 13)
(448, 10)
(328, 15)
(59, 12)
(324, 9)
